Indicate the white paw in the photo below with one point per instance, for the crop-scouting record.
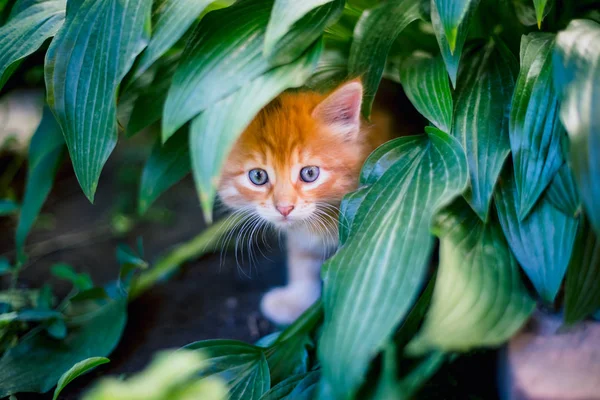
(284, 305)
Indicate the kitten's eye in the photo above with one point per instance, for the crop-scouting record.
(258, 176)
(309, 174)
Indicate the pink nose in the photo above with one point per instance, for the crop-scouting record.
(285, 210)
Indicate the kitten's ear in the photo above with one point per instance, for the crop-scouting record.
(341, 109)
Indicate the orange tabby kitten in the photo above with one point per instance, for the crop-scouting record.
(291, 167)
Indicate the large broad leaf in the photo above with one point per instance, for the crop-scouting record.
(451, 46)
(45, 152)
(577, 76)
(77, 370)
(31, 23)
(223, 54)
(582, 287)
(535, 129)
(214, 132)
(38, 361)
(308, 18)
(243, 366)
(542, 242)
(170, 20)
(425, 82)
(374, 35)
(562, 192)
(168, 164)
(481, 119)
(85, 63)
(375, 277)
(478, 299)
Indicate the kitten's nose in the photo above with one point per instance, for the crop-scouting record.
(285, 210)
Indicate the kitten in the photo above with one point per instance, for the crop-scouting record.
(291, 167)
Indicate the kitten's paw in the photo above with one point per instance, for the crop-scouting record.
(284, 305)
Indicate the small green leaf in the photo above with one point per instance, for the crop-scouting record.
(373, 280)
(526, 11)
(85, 63)
(243, 366)
(481, 119)
(64, 271)
(57, 329)
(230, 116)
(288, 357)
(45, 152)
(8, 207)
(223, 54)
(535, 129)
(5, 268)
(30, 24)
(167, 165)
(451, 46)
(542, 242)
(540, 11)
(77, 370)
(283, 389)
(424, 79)
(582, 287)
(562, 192)
(170, 20)
(374, 34)
(295, 25)
(577, 76)
(478, 299)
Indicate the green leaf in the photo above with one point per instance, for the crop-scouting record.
(288, 357)
(295, 25)
(577, 76)
(230, 116)
(374, 34)
(5, 268)
(80, 281)
(283, 389)
(481, 119)
(535, 129)
(562, 192)
(223, 54)
(170, 21)
(77, 370)
(57, 329)
(85, 63)
(167, 165)
(542, 242)
(37, 362)
(30, 315)
(582, 287)
(31, 23)
(440, 15)
(478, 299)
(540, 11)
(242, 365)
(375, 277)
(526, 12)
(424, 79)
(45, 152)
(8, 207)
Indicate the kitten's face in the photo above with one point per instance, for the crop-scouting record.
(298, 158)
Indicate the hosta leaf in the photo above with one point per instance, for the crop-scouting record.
(452, 14)
(582, 287)
(77, 370)
(31, 23)
(562, 192)
(425, 82)
(37, 362)
(85, 63)
(451, 52)
(168, 164)
(288, 357)
(223, 54)
(373, 280)
(542, 242)
(374, 34)
(230, 116)
(535, 128)
(478, 299)
(481, 119)
(244, 367)
(170, 20)
(348, 210)
(45, 152)
(282, 390)
(577, 76)
(310, 17)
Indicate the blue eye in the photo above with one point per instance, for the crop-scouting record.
(258, 176)
(309, 174)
